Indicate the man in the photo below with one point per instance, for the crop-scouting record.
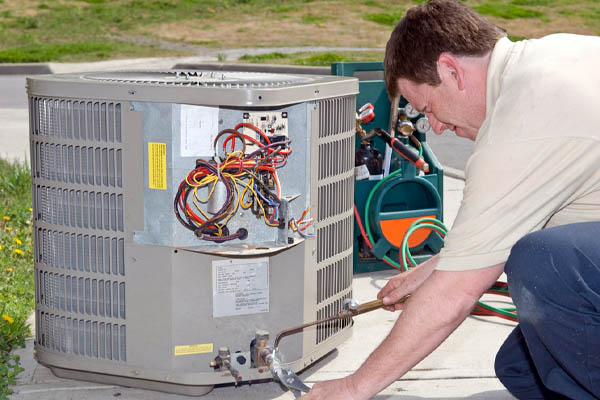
(531, 202)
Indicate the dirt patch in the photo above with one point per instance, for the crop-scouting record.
(536, 28)
(342, 27)
(337, 24)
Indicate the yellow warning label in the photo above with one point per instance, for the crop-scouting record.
(157, 165)
(194, 349)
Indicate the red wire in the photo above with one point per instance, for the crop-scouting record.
(490, 313)
(362, 229)
(230, 137)
(254, 128)
(499, 293)
(364, 235)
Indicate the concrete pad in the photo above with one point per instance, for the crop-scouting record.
(453, 192)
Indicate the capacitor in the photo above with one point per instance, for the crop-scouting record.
(218, 198)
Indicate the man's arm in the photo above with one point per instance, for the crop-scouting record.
(431, 314)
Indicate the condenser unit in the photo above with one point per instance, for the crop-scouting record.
(138, 281)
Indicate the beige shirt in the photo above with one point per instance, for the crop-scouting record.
(536, 160)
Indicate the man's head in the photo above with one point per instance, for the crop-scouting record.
(437, 57)
(428, 30)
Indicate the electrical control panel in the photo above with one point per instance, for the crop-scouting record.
(271, 123)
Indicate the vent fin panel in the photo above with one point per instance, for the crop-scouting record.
(335, 223)
(84, 337)
(79, 249)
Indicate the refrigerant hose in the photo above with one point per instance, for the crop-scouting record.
(405, 257)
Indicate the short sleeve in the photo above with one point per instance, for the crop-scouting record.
(513, 189)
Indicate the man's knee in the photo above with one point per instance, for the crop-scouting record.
(528, 258)
(531, 270)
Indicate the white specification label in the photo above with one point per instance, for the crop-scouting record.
(240, 287)
(198, 130)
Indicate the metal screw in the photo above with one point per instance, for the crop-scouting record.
(131, 92)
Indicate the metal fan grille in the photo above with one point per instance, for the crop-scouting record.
(201, 78)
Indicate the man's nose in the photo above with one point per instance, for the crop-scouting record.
(437, 126)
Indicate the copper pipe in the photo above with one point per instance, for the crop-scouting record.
(346, 313)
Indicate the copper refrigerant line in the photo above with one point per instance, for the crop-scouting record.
(351, 309)
(262, 355)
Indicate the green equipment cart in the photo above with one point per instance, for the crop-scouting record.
(387, 205)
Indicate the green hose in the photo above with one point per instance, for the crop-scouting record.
(438, 226)
(368, 205)
(435, 225)
(429, 223)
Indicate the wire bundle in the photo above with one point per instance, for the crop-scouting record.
(301, 224)
(250, 181)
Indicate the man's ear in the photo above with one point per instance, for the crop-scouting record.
(451, 69)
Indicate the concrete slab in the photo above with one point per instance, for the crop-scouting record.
(453, 191)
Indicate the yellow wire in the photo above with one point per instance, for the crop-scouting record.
(214, 179)
(247, 186)
(257, 199)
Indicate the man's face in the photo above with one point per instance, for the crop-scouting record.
(442, 105)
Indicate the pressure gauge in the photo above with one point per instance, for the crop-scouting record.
(423, 125)
(410, 111)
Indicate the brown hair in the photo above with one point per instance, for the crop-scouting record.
(430, 29)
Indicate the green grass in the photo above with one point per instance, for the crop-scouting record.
(91, 50)
(507, 11)
(263, 58)
(531, 3)
(16, 267)
(516, 38)
(45, 29)
(95, 25)
(313, 19)
(389, 19)
(311, 59)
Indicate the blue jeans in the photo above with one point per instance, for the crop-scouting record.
(554, 280)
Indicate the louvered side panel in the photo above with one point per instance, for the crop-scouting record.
(79, 243)
(335, 191)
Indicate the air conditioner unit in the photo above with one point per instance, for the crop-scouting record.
(125, 292)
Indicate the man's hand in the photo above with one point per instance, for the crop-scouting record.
(341, 389)
(405, 283)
